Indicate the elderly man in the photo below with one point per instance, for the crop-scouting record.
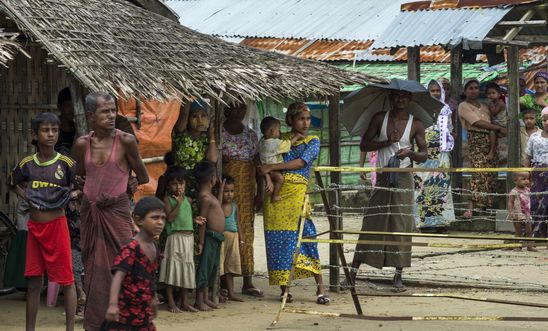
(105, 158)
(391, 203)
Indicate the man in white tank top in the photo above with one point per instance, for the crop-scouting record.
(391, 133)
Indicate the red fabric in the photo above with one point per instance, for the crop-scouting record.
(48, 248)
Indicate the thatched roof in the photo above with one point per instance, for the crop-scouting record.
(115, 46)
(8, 47)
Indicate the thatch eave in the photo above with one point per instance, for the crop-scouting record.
(115, 46)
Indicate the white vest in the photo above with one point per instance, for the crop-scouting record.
(405, 142)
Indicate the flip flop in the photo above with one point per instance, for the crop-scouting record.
(253, 291)
(323, 299)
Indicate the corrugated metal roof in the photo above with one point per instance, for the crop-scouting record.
(299, 19)
(361, 51)
(441, 27)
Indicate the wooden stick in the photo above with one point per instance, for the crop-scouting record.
(462, 297)
(420, 318)
(293, 263)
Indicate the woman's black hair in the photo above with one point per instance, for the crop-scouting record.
(169, 158)
(44, 118)
(63, 96)
(146, 205)
(528, 111)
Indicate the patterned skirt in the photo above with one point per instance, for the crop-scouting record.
(281, 226)
(481, 182)
(244, 196)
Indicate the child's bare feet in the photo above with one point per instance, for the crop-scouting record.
(276, 198)
(202, 306)
(174, 309)
(187, 307)
(211, 304)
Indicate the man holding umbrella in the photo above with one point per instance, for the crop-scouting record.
(396, 124)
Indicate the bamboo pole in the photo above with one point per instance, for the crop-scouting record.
(335, 178)
(293, 263)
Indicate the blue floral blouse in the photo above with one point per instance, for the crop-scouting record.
(308, 150)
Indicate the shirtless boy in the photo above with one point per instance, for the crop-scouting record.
(105, 158)
(50, 178)
(210, 234)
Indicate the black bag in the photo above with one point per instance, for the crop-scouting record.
(393, 162)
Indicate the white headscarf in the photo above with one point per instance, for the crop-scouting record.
(447, 142)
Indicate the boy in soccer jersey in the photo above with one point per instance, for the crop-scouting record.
(50, 177)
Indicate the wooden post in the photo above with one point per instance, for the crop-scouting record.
(77, 96)
(334, 161)
(456, 88)
(414, 63)
(514, 159)
(217, 122)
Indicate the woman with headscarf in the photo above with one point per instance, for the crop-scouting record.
(240, 157)
(433, 197)
(476, 119)
(281, 218)
(539, 100)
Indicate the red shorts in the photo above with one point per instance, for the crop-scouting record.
(48, 248)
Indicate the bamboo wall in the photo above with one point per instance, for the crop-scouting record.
(27, 87)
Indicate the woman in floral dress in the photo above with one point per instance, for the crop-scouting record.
(433, 196)
(240, 158)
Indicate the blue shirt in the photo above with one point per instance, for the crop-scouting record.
(307, 150)
(230, 221)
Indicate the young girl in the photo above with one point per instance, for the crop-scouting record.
(497, 109)
(132, 304)
(537, 156)
(230, 250)
(519, 207)
(177, 268)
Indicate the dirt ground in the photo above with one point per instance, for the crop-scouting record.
(507, 275)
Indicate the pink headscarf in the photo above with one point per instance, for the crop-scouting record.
(544, 111)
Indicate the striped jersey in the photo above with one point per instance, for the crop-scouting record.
(48, 184)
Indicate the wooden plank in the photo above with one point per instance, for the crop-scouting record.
(413, 63)
(513, 111)
(503, 42)
(456, 88)
(515, 30)
(77, 95)
(335, 179)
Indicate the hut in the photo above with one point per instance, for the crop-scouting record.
(116, 46)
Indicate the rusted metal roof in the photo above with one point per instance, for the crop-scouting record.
(324, 50)
(454, 4)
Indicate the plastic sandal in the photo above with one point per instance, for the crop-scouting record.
(323, 299)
